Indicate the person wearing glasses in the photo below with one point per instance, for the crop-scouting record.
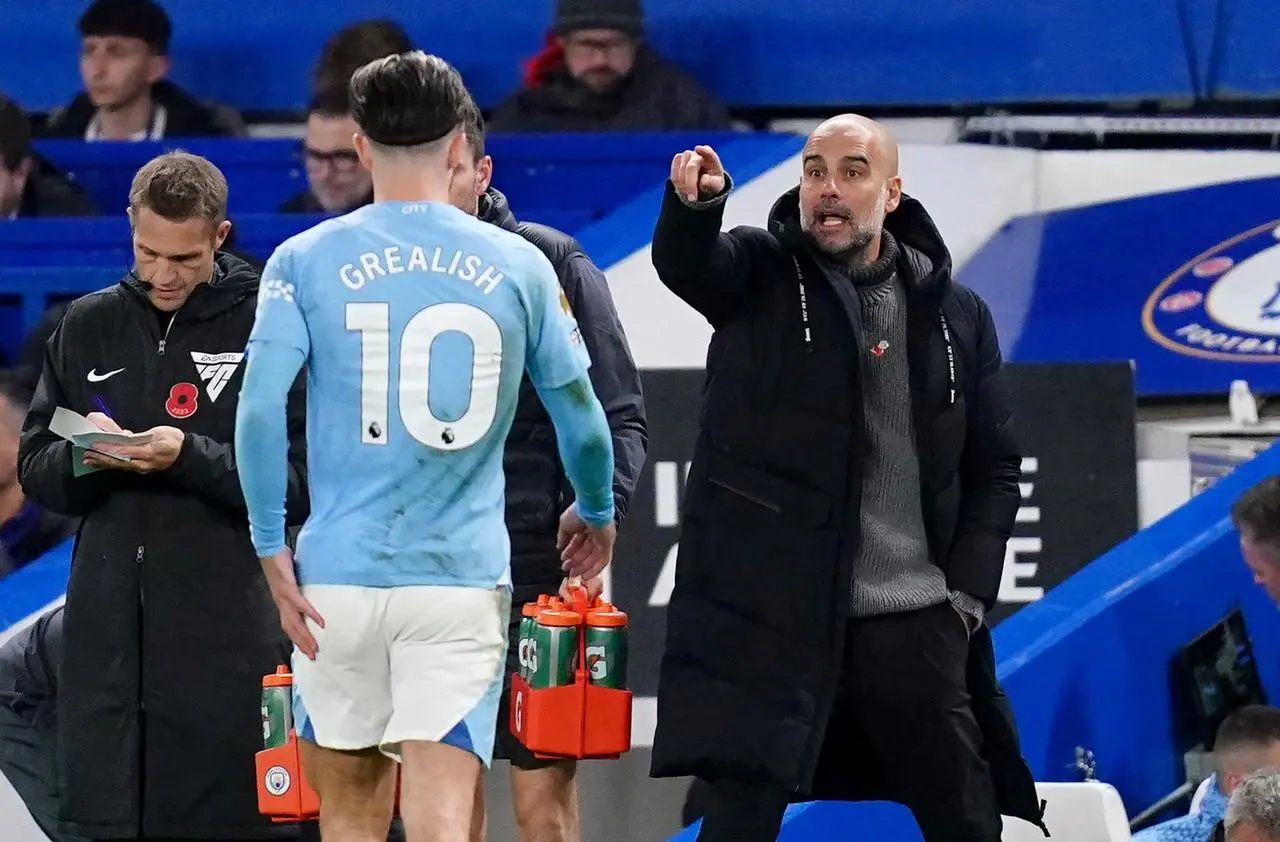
(336, 183)
(597, 73)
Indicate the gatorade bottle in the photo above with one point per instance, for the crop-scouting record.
(554, 652)
(277, 707)
(528, 616)
(606, 647)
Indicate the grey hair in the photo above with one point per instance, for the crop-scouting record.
(1256, 801)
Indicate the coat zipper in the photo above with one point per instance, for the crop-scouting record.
(140, 558)
(142, 593)
(142, 610)
(165, 338)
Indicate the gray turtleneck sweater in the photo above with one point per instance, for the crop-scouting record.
(893, 570)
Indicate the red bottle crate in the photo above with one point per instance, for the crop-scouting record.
(579, 720)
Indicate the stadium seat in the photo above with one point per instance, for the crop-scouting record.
(1075, 812)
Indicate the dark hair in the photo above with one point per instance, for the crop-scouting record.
(354, 46)
(1256, 513)
(473, 127)
(330, 102)
(141, 19)
(180, 186)
(410, 99)
(1251, 726)
(15, 134)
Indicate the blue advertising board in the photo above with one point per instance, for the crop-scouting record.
(1185, 285)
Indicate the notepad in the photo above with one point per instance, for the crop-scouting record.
(83, 435)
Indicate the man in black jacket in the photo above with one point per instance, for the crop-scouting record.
(853, 484)
(169, 626)
(30, 186)
(544, 792)
(124, 57)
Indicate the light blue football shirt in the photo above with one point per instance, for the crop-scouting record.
(417, 322)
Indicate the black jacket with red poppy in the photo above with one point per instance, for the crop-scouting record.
(169, 626)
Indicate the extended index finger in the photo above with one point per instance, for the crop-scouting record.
(710, 159)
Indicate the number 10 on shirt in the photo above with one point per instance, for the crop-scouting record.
(372, 319)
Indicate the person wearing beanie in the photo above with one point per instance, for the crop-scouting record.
(596, 74)
(124, 59)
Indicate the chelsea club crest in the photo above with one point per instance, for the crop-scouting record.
(1223, 304)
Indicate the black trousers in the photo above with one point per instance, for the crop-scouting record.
(901, 730)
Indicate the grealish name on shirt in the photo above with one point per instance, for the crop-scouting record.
(394, 260)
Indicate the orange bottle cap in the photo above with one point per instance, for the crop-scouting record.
(530, 609)
(611, 618)
(280, 678)
(559, 617)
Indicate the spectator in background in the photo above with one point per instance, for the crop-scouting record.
(1253, 814)
(169, 626)
(1247, 740)
(30, 186)
(354, 46)
(1256, 516)
(597, 75)
(336, 183)
(27, 531)
(124, 57)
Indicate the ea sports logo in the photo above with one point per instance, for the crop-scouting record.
(277, 780)
(1223, 304)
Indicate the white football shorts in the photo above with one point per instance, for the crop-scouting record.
(403, 663)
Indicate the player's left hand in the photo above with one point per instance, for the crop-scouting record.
(295, 609)
(156, 455)
(589, 552)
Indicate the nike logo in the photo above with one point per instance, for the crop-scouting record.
(95, 377)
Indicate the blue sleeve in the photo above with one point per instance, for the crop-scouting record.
(262, 439)
(278, 348)
(586, 446)
(555, 354)
(279, 316)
